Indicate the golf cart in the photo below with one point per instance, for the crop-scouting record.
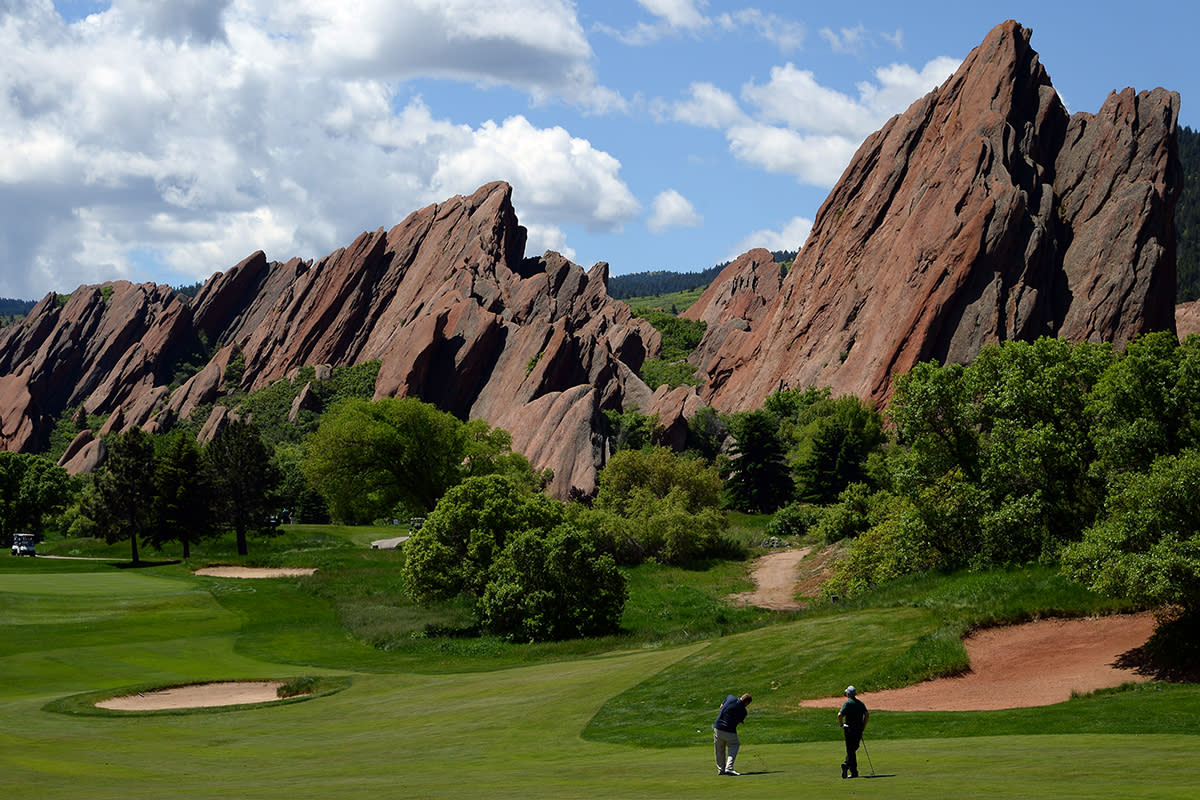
(23, 545)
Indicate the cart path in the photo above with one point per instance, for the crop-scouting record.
(775, 578)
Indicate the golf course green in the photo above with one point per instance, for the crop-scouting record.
(623, 722)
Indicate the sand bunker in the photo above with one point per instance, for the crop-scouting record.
(200, 695)
(1036, 664)
(255, 572)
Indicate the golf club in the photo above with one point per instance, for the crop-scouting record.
(863, 739)
(762, 765)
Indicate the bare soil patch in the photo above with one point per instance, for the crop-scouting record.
(776, 579)
(255, 572)
(1020, 666)
(200, 695)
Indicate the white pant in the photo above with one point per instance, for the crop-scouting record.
(725, 742)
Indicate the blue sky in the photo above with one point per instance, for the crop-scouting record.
(165, 141)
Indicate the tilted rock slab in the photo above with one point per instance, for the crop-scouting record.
(446, 302)
(983, 213)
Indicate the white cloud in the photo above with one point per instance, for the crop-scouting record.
(795, 98)
(677, 13)
(899, 85)
(794, 125)
(816, 160)
(786, 34)
(195, 133)
(559, 178)
(673, 17)
(547, 237)
(845, 40)
(790, 237)
(672, 210)
(708, 107)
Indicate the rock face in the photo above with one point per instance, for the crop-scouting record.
(984, 213)
(446, 301)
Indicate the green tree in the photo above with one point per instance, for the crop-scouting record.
(31, 489)
(706, 433)
(1147, 545)
(997, 454)
(834, 450)
(758, 478)
(369, 457)
(245, 480)
(184, 496)
(1147, 403)
(125, 489)
(452, 552)
(653, 503)
(632, 430)
(552, 586)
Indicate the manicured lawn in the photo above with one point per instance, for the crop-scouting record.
(628, 717)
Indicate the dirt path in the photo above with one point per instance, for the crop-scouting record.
(1036, 664)
(775, 579)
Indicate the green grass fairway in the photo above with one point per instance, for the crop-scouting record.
(629, 724)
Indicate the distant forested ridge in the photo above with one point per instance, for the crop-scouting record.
(1187, 218)
(648, 284)
(15, 308)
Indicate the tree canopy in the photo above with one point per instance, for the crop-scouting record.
(32, 488)
(370, 457)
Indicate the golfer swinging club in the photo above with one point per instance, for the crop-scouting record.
(725, 738)
(853, 717)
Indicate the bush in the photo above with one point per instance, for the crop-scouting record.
(453, 551)
(850, 517)
(549, 587)
(794, 521)
(897, 546)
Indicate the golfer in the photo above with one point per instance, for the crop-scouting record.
(725, 738)
(853, 717)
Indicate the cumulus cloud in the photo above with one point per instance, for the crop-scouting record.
(193, 133)
(672, 210)
(794, 125)
(708, 107)
(790, 237)
(561, 178)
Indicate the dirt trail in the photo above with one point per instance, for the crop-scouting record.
(775, 578)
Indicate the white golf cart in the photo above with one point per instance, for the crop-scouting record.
(23, 545)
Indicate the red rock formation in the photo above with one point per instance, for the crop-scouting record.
(983, 213)
(1187, 318)
(445, 301)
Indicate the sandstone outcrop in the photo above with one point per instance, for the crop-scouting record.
(446, 301)
(983, 213)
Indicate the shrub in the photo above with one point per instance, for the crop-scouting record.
(548, 587)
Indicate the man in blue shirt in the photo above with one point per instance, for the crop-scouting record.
(853, 717)
(725, 738)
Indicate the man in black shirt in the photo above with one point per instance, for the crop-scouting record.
(853, 717)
